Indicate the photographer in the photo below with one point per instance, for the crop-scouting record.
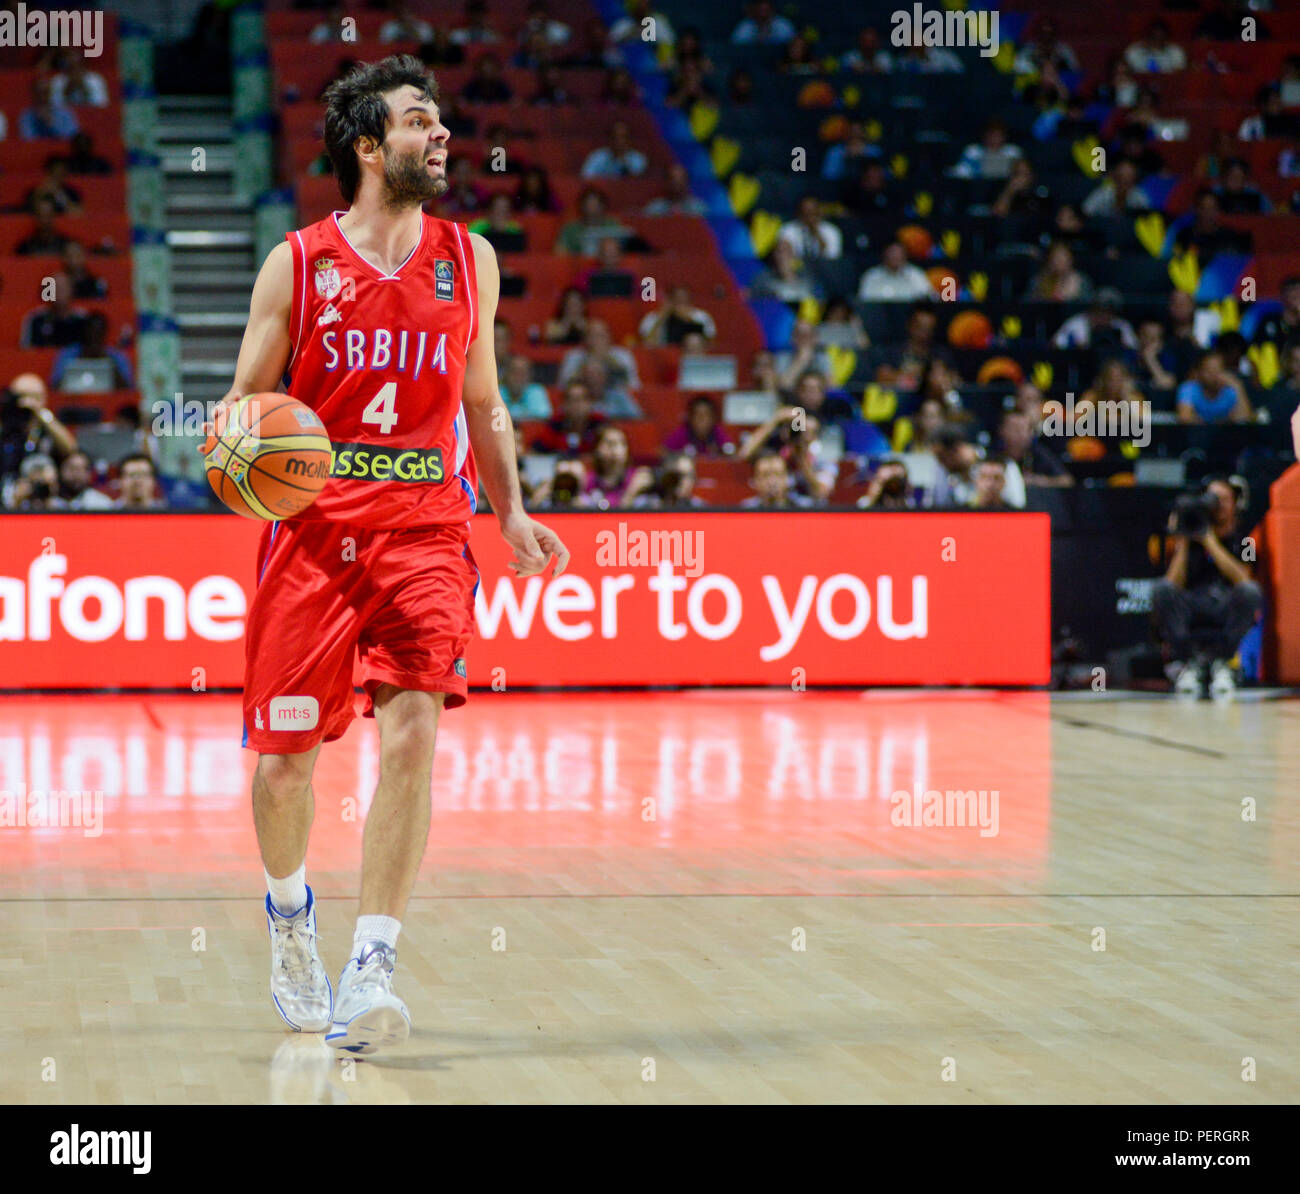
(27, 425)
(794, 434)
(674, 487)
(564, 491)
(37, 487)
(1208, 582)
(889, 489)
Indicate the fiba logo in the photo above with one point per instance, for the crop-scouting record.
(443, 286)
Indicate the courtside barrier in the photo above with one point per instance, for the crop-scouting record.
(798, 599)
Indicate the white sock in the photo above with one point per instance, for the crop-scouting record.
(376, 928)
(288, 895)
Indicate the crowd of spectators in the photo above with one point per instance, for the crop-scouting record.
(924, 447)
(42, 465)
(929, 448)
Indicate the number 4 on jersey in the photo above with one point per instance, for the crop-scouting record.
(382, 408)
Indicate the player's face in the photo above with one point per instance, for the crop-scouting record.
(415, 150)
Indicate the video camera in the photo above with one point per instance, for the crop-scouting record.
(1193, 513)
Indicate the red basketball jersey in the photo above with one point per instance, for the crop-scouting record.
(381, 359)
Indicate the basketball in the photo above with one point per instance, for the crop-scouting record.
(271, 456)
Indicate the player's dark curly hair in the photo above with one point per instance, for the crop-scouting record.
(355, 108)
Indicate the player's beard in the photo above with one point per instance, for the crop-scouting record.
(407, 181)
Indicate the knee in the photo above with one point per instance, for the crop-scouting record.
(284, 777)
(407, 731)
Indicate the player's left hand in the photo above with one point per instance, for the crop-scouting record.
(534, 545)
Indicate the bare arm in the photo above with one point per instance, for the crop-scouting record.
(492, 433)
(755, 440)
(64, 440)
(1176, 573)
(266, 348)
(1161, 378)
(800, 362)
(491, 430)
(1242, 412)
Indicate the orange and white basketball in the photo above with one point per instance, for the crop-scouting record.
(271, 456)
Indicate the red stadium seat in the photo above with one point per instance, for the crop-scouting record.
(21, 277)
(94, 231)
(722, 480)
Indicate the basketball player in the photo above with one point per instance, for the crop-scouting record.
(383, 318)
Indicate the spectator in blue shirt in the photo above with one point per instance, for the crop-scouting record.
(92, 348)
(524, 398)
(45, 118)
(850, 155)
(763, 27)
(1212, 394)
(617, 159)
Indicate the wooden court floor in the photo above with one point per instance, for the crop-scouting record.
(706, 897)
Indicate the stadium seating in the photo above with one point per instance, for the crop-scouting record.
(102, 226)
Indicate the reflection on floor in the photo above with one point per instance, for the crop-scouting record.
(739, 895)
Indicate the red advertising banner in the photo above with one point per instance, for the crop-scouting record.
(117, 601)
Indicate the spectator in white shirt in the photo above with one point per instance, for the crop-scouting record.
(895, 279)
(810, 236)
(1154, 53)
(868, 57)
(538, 20)
(763, 27)
(1269, 118)
(671, 323)
(617, 159)
(783, 278)
(599, 344)
(1100, 326)
(928, 60)
(993, 157)
(77, 484)
(476, 31)
(1118, 194)
(1044, 50)
(77, 87)
(805, 354)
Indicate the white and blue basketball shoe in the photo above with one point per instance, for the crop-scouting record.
(367, 1015)
(299, 985)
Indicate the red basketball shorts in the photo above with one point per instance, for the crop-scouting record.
(328, 592)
